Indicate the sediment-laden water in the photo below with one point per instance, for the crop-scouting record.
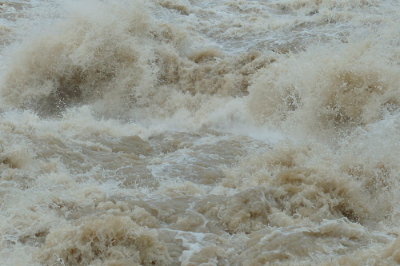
(187, 132)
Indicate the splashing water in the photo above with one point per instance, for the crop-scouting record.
(173, 132)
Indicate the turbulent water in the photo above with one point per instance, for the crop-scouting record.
(200, 132)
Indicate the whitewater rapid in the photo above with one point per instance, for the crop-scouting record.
(185, 132)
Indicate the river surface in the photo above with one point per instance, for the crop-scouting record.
(200, 132)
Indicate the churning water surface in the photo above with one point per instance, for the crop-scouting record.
(200, 132)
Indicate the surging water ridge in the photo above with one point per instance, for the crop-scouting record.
(187, 132)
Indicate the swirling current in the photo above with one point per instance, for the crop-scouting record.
(200, 132)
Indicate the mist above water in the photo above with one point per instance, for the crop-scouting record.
(199, 133)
